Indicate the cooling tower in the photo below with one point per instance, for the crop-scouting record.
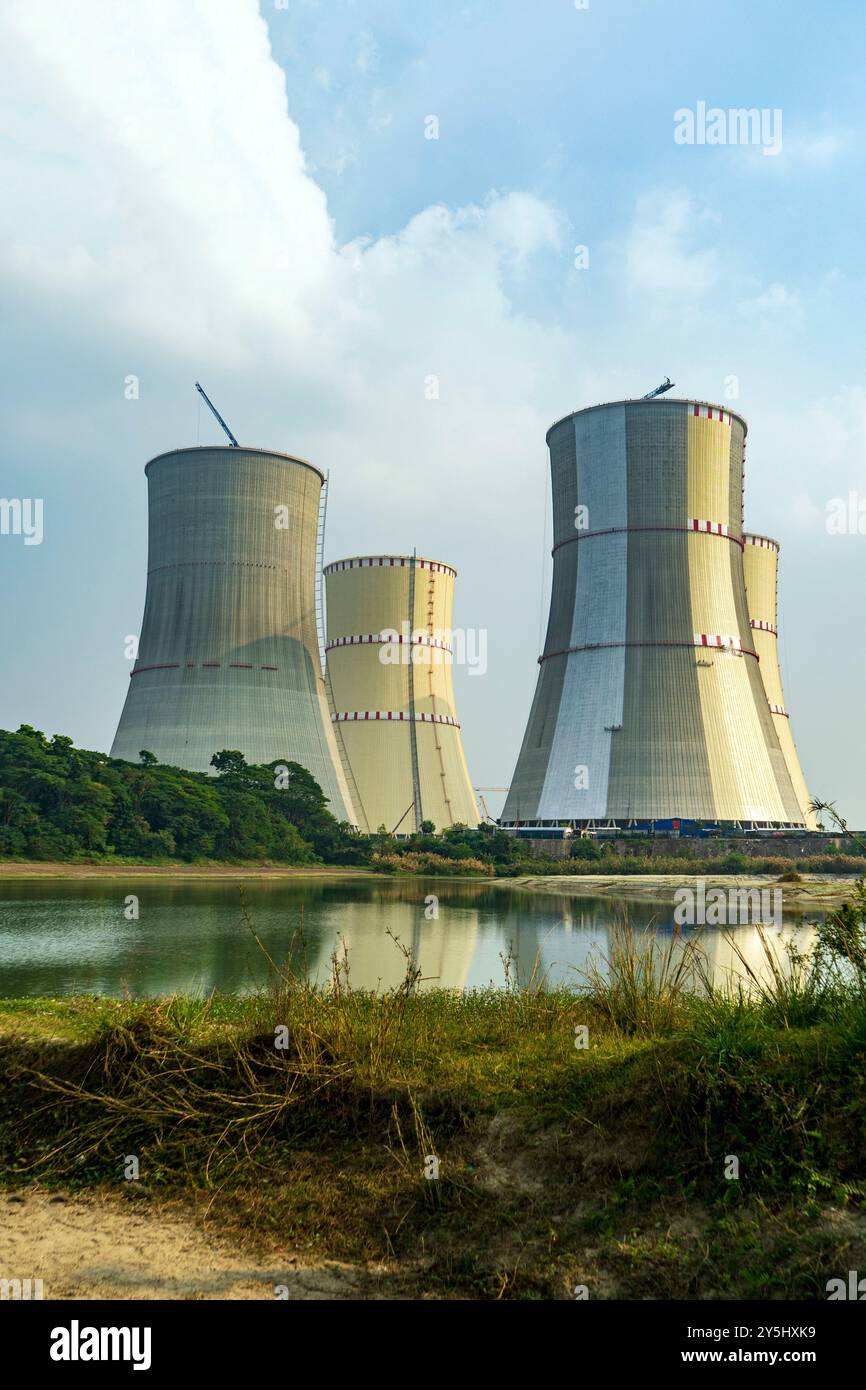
(389, 652)
(228, 655)
(650, 705)
(761, 569)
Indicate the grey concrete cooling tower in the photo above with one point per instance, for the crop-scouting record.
(228, 655)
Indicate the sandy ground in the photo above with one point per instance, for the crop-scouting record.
(39, 870)
(92, 1246)
(812, 892)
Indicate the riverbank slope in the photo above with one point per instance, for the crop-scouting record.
(629, 1143)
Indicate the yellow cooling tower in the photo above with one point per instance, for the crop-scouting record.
(761, 566)
(390, 649)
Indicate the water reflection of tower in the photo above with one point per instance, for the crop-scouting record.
(746, 954)
(442, 948)
(725, 956)
(541, 953)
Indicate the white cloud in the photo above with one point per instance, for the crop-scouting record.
(805, 150)
(186, 204)
(192, 225)
(347, 155)
(192, 218)
(367, 53)
(821, 149)
(820, 446)
(774, 304)
(661, 253)
(805, 514)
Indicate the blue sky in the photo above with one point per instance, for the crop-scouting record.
(245, 196)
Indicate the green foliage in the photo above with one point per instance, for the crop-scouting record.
(62, 803)
(843, 934)
(230, 763)
(59, 802)
(487, 844)
(586, 849)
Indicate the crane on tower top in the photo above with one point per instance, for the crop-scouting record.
(667, 385)
(215, 413)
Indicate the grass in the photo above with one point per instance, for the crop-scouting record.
(683, 863)
(306, 1117)
(412, 864)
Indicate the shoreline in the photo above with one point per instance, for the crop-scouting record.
(813, 891)
(96, 871)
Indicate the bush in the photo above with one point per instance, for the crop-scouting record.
(427, 863)
(586, 849)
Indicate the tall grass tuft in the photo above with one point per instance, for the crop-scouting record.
(641, 986)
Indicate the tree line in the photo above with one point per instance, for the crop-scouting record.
(59, 802)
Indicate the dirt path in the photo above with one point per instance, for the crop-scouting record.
(87, 1246)
(41, 870)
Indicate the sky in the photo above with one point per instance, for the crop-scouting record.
(251, 195)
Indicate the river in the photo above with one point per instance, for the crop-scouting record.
(159, 937)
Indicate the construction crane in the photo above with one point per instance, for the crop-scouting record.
(483, 804)
(667, 385)
(215, 413)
